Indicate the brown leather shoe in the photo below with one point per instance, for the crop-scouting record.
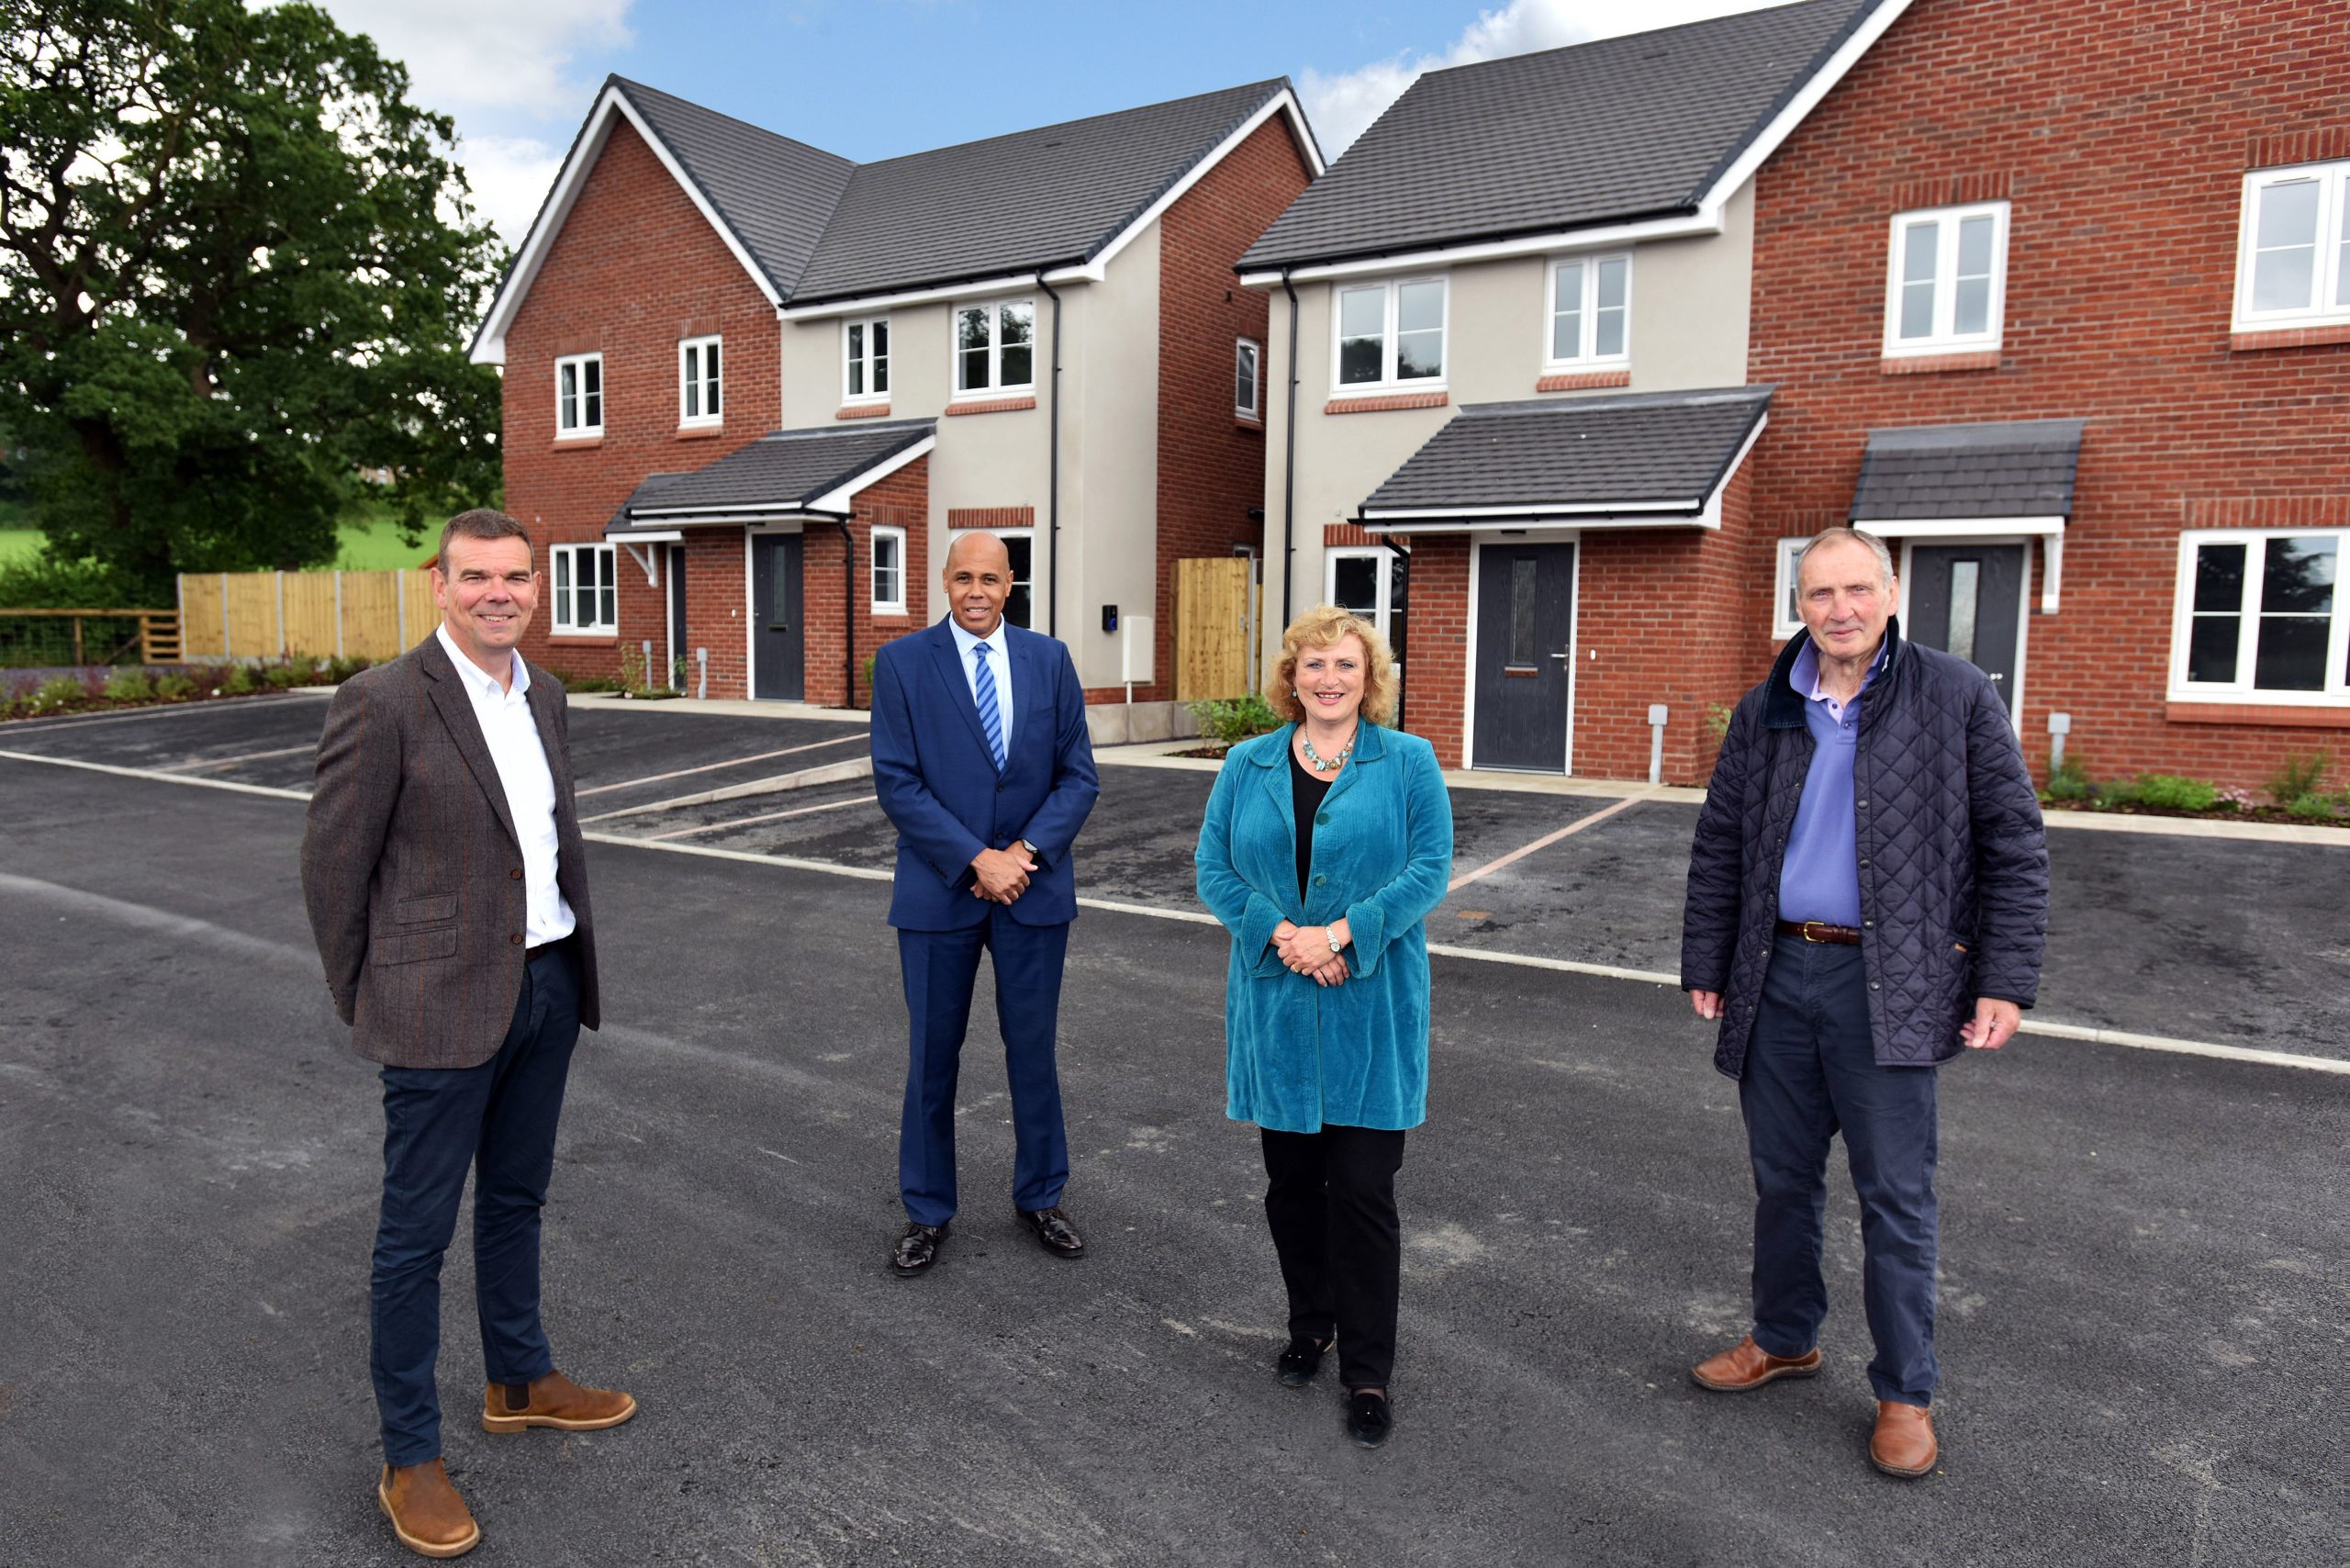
(552, 1401)
(425, 1510)
(1747, 1365)
(1903, 1443)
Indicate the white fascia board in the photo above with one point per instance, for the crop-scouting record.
(489, 348)
(1695, 225)
(1284, 102)
(1957, 527)
(639, 536)
(1386, 514)
(979, 288)
(1712, 514)
(686, 516)
(842, 501)
(1822, 83)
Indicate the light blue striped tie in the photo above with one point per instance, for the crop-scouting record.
(991, 719)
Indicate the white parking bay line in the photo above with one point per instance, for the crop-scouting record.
(154, 774)
(1548, 839)
(746, 822)
(729, 762)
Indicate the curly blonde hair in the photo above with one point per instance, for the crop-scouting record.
(1324, 626)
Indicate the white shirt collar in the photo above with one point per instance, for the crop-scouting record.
(996, 640)
(480, 678)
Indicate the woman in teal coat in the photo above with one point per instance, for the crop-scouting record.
(1326, 845)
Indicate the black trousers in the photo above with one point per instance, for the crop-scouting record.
(1330, 1202)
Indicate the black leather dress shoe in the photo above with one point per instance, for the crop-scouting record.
(917, 1248)
(1300, 1362)
(1053, 1229)
(1368, 1419)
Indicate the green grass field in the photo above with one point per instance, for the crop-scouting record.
(18, 541)
(362, 547)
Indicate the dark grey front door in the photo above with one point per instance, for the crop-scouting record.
(1968, 599)
(779, 659)
(1526, 607)
(680, 655)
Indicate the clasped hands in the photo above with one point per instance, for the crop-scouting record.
(1305, 950)
(1001, 876)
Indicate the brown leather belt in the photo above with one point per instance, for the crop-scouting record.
(1819, 931)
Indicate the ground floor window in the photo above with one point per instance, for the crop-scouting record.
(1371, 582)
(2260, 617)
(1020, 544)
(587, 591)
(888, 551)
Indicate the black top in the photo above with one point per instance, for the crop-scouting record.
(1306, 789)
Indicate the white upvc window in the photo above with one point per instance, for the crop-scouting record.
(1247, 379)
(2261, 617)
(1589, 313)
(1786, 613)
(889, 553)
(865, 360)
(698, 382)
(2293, 255)
(995, 347)
(1946, 282)
(578, 396)
(586, 590)
(1370, 581)
(1388, 335)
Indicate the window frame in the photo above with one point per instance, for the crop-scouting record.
(875, 602)
(712, 387)
(1782, 588)
(997, 387)
(2332, 179)
(1944, 337)
(583, 431)
(2336, 693)
(1385, 559)
(1391, 312)
(561, 586)
(1591, 261)
(1255, 353)
(869, 360)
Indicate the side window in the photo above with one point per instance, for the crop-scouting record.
(698, 382)
(1247, 401)
(578, 396)
(889, 552)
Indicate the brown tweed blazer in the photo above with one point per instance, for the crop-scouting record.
(412, 871)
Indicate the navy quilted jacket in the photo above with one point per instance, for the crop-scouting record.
(1953, 859)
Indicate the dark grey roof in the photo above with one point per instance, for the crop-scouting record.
(1603, 132)
(775, 193)
(2019, 469)
(783, 472)
(1577, 455)
(1012, 203)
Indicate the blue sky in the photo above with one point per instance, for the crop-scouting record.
(874, 78)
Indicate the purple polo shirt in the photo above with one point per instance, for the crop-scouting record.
(1819, 878)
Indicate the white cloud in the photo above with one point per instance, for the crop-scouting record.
(1342, 105)
(511, 176)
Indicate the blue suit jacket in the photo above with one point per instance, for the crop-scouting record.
(939, 784)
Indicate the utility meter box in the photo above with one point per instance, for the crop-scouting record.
(1136, 643)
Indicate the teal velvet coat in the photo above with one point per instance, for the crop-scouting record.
(1299, 1055)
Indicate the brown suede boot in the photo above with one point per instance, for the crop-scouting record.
(1747, 1365)
(1903, 1443)
(425, 1510)
(552, 1401)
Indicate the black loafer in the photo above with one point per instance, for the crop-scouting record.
(1053, 1229)
(1368, 1419)
(917, 1248)
(1300, 1362)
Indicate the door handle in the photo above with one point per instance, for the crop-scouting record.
(1998, 675)
(1563, 655)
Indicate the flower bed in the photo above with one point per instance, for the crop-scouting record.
(50, 694)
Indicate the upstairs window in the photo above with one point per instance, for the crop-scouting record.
(578, 396)
(2262, 618)
(1247, 361)
(587, 593)
(995, 347)
(865, 358)
(1946, 288)
(698, 382)
(1391, 334)
(2293, 263)
(1591, 312)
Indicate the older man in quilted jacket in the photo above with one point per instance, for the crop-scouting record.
(1868, 897)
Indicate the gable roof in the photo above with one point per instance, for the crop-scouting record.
(2020, 469)
(1655, 124)
(783, 472)
(811, 228)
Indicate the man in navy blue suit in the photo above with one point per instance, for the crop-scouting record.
(980, 760)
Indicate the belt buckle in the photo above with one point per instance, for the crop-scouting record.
(1808, 926)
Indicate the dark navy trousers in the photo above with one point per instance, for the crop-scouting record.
(940, 969)
(1811, 1072)
(498, 1119)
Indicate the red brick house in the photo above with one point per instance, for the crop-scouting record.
(752, 389)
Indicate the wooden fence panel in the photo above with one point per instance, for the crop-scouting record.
(371, 615)
(1212, 628)
(267, 615)
(202, 625)
(254, 629)
(419, 614)
(309, 613)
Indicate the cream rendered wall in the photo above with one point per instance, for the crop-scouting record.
(1689, 307)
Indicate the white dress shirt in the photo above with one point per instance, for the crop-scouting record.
(999, 665)
(521, 762)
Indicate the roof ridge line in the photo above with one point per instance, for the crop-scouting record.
(1080, 119)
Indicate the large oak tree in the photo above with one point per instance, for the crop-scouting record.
(236, 271)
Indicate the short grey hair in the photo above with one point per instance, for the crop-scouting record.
(1858, 536)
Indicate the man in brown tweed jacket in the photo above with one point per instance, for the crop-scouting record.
(448, 890)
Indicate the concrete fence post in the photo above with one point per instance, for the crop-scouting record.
(702, 657)
(1657, 716)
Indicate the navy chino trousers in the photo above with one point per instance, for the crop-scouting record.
(1811, 1072)
(499, 1120)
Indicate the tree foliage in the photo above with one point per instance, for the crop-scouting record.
(227, 287)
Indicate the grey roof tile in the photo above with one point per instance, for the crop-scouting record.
(2019, 468)
(784, 470)
(1576, 456)
(1595, 133)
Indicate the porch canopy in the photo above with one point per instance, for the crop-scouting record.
(786, 476)
(1974, 482)
(1650, 460)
